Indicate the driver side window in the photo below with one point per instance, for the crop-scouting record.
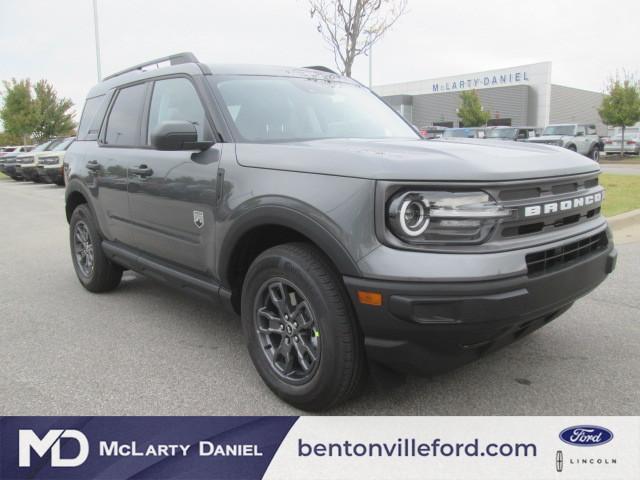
(177, 99)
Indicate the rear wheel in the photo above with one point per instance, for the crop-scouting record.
(301, 332)
(94, 270)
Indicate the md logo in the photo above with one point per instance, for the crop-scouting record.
(28, 440)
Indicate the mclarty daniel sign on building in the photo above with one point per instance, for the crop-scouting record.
(536, 75)
(498, 79)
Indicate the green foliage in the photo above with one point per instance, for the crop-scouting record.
(10, 139)
(52, 115)
(621, 105)
(34, 112)
(17, 112)
(470, 112)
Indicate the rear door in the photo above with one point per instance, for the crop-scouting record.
(118, 149)
(173, 193)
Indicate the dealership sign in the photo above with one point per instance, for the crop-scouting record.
(497, 79)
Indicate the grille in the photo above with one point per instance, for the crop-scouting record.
(49, 160)
(25, 160)
(555, 258)
(555, 191)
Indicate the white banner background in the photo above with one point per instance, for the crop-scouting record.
(542, 431)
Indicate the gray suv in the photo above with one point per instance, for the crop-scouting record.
(311, 208)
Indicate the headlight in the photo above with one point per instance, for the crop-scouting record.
(439, 217)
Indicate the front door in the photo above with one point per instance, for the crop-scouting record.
(172, 194)
(582, 141)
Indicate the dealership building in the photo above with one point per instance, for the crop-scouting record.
(516, 96)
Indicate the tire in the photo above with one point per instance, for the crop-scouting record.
(572, 148)
(595, 154)
(99, 274)
(338, 370)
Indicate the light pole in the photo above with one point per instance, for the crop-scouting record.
(97, 32)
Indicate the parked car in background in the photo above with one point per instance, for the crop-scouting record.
(8, 154)
(579, 138)
(432, 132)
(510, 133)
(27, 164)
(50, 164)
(463, 132)
(613, 145)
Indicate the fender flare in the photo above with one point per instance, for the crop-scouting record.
(284, 216)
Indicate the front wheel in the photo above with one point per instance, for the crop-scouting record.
(595, 154)
(572, 148)
(300, 329)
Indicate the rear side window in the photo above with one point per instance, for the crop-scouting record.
(89, 119)
(123, 125)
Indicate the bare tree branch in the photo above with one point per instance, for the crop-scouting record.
(351, 27)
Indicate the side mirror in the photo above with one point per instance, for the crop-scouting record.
(177, 135)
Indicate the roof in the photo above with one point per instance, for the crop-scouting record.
(138, 72)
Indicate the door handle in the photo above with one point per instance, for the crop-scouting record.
(93, 165)
(142, 171)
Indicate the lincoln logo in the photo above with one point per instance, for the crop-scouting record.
(563, 205)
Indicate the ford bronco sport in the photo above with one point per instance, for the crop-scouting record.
(318, 214)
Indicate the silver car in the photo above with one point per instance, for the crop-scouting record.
(631, 144)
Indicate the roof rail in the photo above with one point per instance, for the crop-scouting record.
(321, 69)
(175, 59)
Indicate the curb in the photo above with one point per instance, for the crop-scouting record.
(624, 220)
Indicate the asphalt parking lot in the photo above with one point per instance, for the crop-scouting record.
(146, 349)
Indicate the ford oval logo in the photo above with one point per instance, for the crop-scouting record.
(586, 435)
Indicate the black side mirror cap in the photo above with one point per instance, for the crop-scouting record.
(177, 135)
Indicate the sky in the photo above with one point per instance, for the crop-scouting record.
(586, 40)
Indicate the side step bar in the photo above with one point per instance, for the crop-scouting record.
(146, 266)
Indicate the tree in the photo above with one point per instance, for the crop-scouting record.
(17, 113)
(10, 139)
(351, 27)
(621, 105)
(52, 115)
(471, 113)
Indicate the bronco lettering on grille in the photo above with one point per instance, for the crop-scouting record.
(563, 205)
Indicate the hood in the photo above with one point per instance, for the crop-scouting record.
(417, 160)
(546, 138)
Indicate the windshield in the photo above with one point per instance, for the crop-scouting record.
(560, 130)
(64, 144)
(501, 133)
(41, 147)
(458, 133)
(268, 109)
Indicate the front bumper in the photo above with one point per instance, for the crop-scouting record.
(53, 174)
(11, 171)
(430, 327)
(29, 172)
